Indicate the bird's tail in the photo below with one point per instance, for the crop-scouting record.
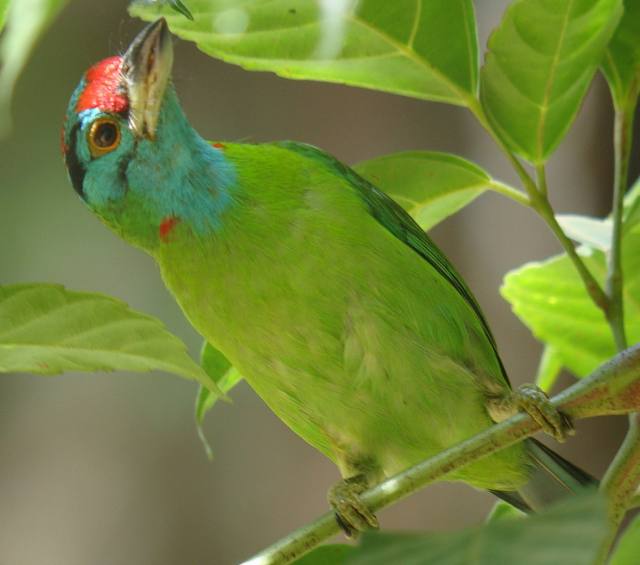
(552, 478)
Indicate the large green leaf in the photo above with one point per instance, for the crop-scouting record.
(621, 63)
(46, 329)
(551, 300)
(569, 534)
(421, 48)
(222, 375)
(26, 21)
(429, 185)
(540, 63)
(628, 548)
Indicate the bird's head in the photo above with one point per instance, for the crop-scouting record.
(130, 152)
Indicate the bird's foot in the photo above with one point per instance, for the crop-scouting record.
(532, 399)
(352, 514)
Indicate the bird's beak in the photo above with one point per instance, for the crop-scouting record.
(146, 68)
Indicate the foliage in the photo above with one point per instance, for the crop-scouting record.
(539, 64)
(47, 329)
(569, 534)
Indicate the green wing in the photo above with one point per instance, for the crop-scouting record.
(394, 218)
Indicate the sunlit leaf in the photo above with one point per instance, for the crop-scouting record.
(570, 534)
(425, 49)
(46, 329)
(594, 232)
(551, 300)
(429, 185)
(621, 63)
(540, 63)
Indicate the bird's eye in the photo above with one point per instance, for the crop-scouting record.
(104, 136)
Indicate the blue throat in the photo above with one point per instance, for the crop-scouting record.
(196, 179)
(177, 175)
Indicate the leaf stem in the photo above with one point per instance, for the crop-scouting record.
(600, 299)
(539, 202)
(614, 388)
(622, 478)
(541, 176)
(622, 137)
(510, 192)
(527, 182)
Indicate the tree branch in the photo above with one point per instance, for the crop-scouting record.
(614, 388)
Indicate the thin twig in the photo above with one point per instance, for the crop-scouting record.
(613, 389)
(539, 201)
(622, 137)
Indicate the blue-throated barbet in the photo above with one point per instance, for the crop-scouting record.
(336, 307)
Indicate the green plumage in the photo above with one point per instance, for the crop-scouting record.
(341, 314)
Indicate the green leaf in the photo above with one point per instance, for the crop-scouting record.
(569, 534)
(621, 63)
(222, 376)
(429, 185)
(332, 554)
(551, 300)
(26, 22)
(4, 7)
(425, 49)
(503, 511)
(46, 329)
(540, 63)
(628, 548)
(549, 368)
(593, 232)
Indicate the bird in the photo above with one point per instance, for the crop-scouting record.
(337, 308)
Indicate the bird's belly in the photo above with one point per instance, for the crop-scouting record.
(358, 361)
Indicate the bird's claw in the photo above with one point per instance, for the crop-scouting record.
(532, 400)
(352, 514)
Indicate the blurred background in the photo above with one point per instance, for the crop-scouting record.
(108, 469)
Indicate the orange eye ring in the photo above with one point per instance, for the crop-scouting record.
(104, 136)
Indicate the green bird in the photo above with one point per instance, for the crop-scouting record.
(330, 300)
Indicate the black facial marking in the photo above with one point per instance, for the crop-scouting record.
(74, 166)
(123, 165)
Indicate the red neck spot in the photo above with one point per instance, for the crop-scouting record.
(103, 87)
(166, 226)
(218, 145)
